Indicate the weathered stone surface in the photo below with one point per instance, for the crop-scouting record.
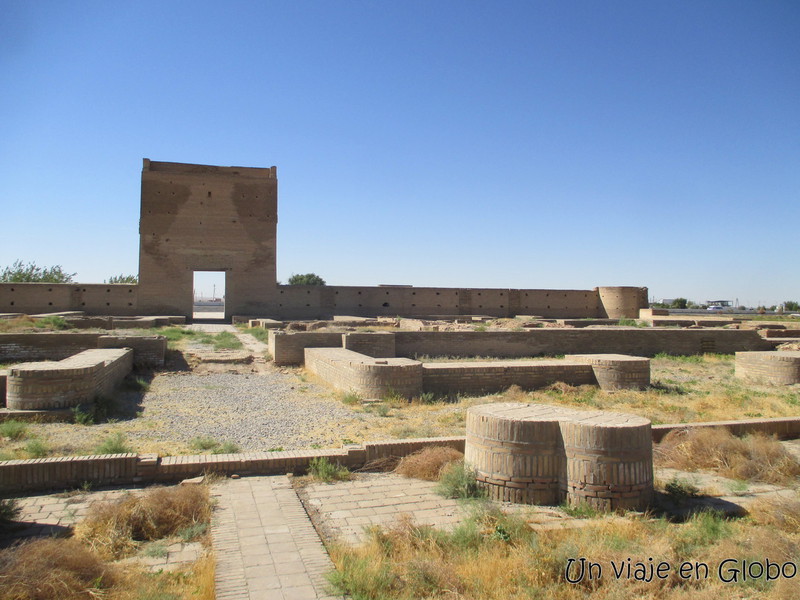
(539, 454)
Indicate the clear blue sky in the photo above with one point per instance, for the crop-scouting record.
(475, 144)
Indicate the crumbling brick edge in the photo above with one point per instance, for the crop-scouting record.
(44, 474)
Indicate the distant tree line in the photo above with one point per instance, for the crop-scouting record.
(20, 272)
(306, 279)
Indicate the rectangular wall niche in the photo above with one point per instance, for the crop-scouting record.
(208, 295)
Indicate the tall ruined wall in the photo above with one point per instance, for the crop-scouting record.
(93, 298)
(312, 302)
(317, 302)
(207, 218)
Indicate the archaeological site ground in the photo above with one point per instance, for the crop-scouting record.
(321, 441)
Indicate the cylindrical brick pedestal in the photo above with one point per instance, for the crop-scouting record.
(616, 371)
(516, 458)
(609, 461)
(539, 454)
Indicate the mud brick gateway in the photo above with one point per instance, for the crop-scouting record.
(539, 454)
(210, 218)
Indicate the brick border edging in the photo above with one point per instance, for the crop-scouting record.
(785, 428)
(41, 474)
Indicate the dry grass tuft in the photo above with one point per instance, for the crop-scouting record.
(17, 324)
(780, 513)
(113, 529)
(53, 569)
(562, 388)
(428, 463)
(751, 458)
(385, 464)
(492, 556)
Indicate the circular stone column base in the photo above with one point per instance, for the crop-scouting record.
(539, 454)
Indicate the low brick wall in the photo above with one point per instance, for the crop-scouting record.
(377, 344)
(347, 370)
(780, 368)
(149, 351)
(369, 377)
(495, 376)
(24, 476)
(780, 333)
(616, 371)
(44, 346)
(40, 474)
(784, 428)
(538, 342)
(73, 381)
(68, 471)
(287, 348)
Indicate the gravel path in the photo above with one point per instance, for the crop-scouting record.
(257, 412)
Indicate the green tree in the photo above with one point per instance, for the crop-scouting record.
(679, 303)
(306, 279)
(791, 305)
(123, 279)
(21, 272)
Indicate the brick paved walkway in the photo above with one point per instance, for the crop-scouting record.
(265, 544)
(344, 510)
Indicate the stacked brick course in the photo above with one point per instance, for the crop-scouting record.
(148, 350)
(495, 376)
(781, 368)
(616, 371)
(70, 382)
(369, 377)
(70, 471)
(377, 344)
(287, 348)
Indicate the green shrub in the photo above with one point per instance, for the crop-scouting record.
(582, 510)
(136, 384)
(208, 444)
(81, 416)
(102, 408)
(227, 448)
(457, 480)
(631, 323)
(324, 470)
(351, 398)
(261, 334)
(36, 448)
(13, 429)
(187, 534)
(427, 398)
(54, 322)
(114, 444)
(203, 443)
(679, 490)
(9, 510)
(225, 340)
